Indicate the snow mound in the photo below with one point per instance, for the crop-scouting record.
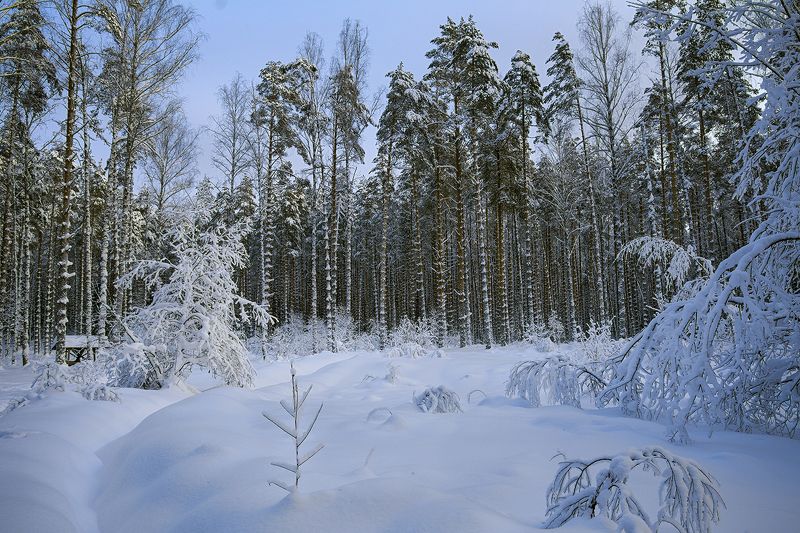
(176, 462)
(192, 475)
(373, 505)
(48, 461)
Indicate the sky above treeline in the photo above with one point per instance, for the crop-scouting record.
(242, 35)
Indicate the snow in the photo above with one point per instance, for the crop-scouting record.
(175, 461)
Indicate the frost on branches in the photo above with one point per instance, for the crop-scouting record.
(677, 263)
(729, 353)
(194, 313)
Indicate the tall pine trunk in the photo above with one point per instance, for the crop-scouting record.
(87, 219)
(64, 273)
(331, 240)
(383, 303)
(484, 268)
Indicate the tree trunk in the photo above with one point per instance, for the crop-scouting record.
(64, 274)
(383, 304)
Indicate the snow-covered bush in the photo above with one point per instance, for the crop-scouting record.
(409, 349)
(537, 335)
(195, 314)
(555, 329)
(597, 343)
(130, 365)
(298, 337)
(92, 380)
(407, 331)
(729, 352)
(294, 431)
(413, 339)
(50, 375)
(555, 380)
(675, 264)
(438, 400)
(295, 337)
(689, 497)
(349, 338)
(15, 403)
(89, 378)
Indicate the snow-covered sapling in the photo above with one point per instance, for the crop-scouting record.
(537, 334)
(91, 379)
(555, 380)
(597, 343)
(297, 434)
(392, 375)
(438, 400)
(50, 375)
(688, 495)
(195, 317)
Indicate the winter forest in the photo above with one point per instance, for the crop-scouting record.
(519, 286)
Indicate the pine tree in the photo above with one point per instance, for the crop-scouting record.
(392, 129)
(28, 76)
(524, 109)
(273, 133)
(482, 90)
(444, 75)
(63, 224)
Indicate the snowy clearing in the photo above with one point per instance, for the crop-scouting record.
(176, 461)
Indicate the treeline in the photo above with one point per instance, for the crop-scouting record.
(497, 204)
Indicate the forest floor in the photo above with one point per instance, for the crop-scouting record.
(184, 461)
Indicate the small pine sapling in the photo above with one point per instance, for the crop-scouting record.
(392, 375)
(295, 432)
(688, 495)
(438, 400)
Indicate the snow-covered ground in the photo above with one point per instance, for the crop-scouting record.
(176, 461)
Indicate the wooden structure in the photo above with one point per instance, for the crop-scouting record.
(82, 347)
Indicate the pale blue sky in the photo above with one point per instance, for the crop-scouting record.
(243, 34)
